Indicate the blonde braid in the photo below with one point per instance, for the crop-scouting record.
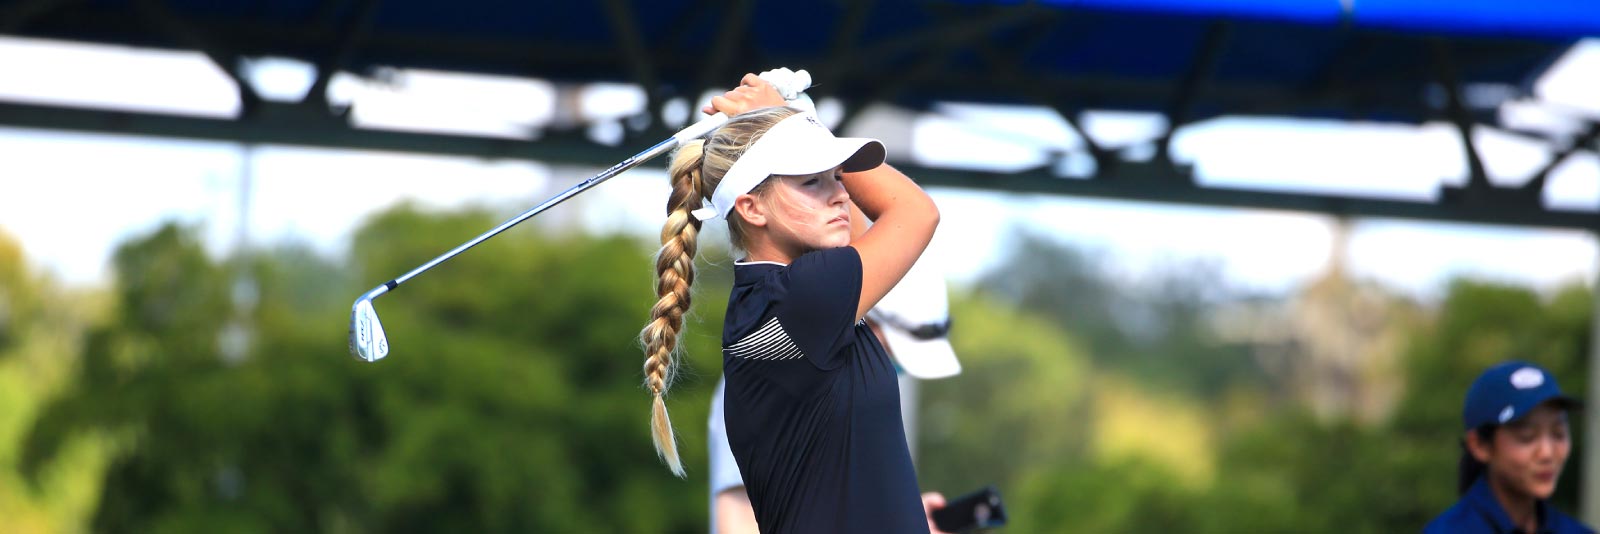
(696, 169)
(674, 275)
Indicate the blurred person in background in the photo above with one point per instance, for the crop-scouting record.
(913, 323)
(1517, 441)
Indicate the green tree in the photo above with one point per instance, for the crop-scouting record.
(512, 400)
(41, 327)
(1157, 329)
(1020, 402)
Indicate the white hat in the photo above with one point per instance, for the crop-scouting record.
(797, 145)
(915, 320)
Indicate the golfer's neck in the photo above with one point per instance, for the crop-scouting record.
(765, 250)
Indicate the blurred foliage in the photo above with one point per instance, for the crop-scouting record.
(512, 401)
(1156, 329)
(205, 395)
(41, 326)
(1020, 403)
(1139, 449)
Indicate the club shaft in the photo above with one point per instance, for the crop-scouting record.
(666, 145)
(651, 153)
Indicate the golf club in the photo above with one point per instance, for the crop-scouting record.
(367, 340)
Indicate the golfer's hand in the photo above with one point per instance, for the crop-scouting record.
(931, 501)
(752, 93)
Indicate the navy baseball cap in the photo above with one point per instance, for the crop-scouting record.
(1510, 390)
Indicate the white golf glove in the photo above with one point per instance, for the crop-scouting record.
(791, 84)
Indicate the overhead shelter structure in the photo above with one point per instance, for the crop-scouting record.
(1405, 61)
(1396, 61)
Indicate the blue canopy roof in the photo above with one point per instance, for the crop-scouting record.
(1189, 60)
(1348, 59)
(1536, 19)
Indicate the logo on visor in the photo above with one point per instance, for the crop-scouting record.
(813, 120)
(1527, 378)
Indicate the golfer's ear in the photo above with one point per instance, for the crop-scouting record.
(753, 211)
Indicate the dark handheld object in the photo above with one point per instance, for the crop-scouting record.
(972, 512)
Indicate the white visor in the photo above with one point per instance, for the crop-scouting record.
(915, 320)
(797, 145)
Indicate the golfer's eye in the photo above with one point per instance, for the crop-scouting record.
(811, 182)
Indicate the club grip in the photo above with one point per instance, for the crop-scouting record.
(790, 84)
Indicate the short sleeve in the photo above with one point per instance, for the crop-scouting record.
(819, 308)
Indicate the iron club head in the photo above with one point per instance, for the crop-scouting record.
(367, 341)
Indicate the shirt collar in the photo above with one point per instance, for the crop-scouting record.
(746, 272)
(1482, 499)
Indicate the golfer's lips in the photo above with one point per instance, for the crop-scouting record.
(842, 218)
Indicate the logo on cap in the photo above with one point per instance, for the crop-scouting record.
(1527, 378)
(1505, 415)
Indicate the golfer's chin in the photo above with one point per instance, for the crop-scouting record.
(833, 238)
(836, 239)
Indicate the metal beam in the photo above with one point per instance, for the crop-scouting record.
(1355, 49)
(1210, 50)
(714, 72)
(290, 124)
(1152, 182)
(637, 58)
(1536, 183)
(1445, 68)
(226, 59)
(846, 32)
(684, 24)
(1010, 65)
(869, 59)
(341, 52)
(957, 32)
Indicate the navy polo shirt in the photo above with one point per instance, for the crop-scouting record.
(1479, 512)
(812, 405)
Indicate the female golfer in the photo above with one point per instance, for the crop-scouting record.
(812, 405)
(1516, 442)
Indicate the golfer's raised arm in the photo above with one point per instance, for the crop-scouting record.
(903, 220)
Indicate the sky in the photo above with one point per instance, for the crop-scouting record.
(71, 197)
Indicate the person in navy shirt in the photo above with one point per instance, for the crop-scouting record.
(812, 405)
(1517, 441)
(912, 322)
